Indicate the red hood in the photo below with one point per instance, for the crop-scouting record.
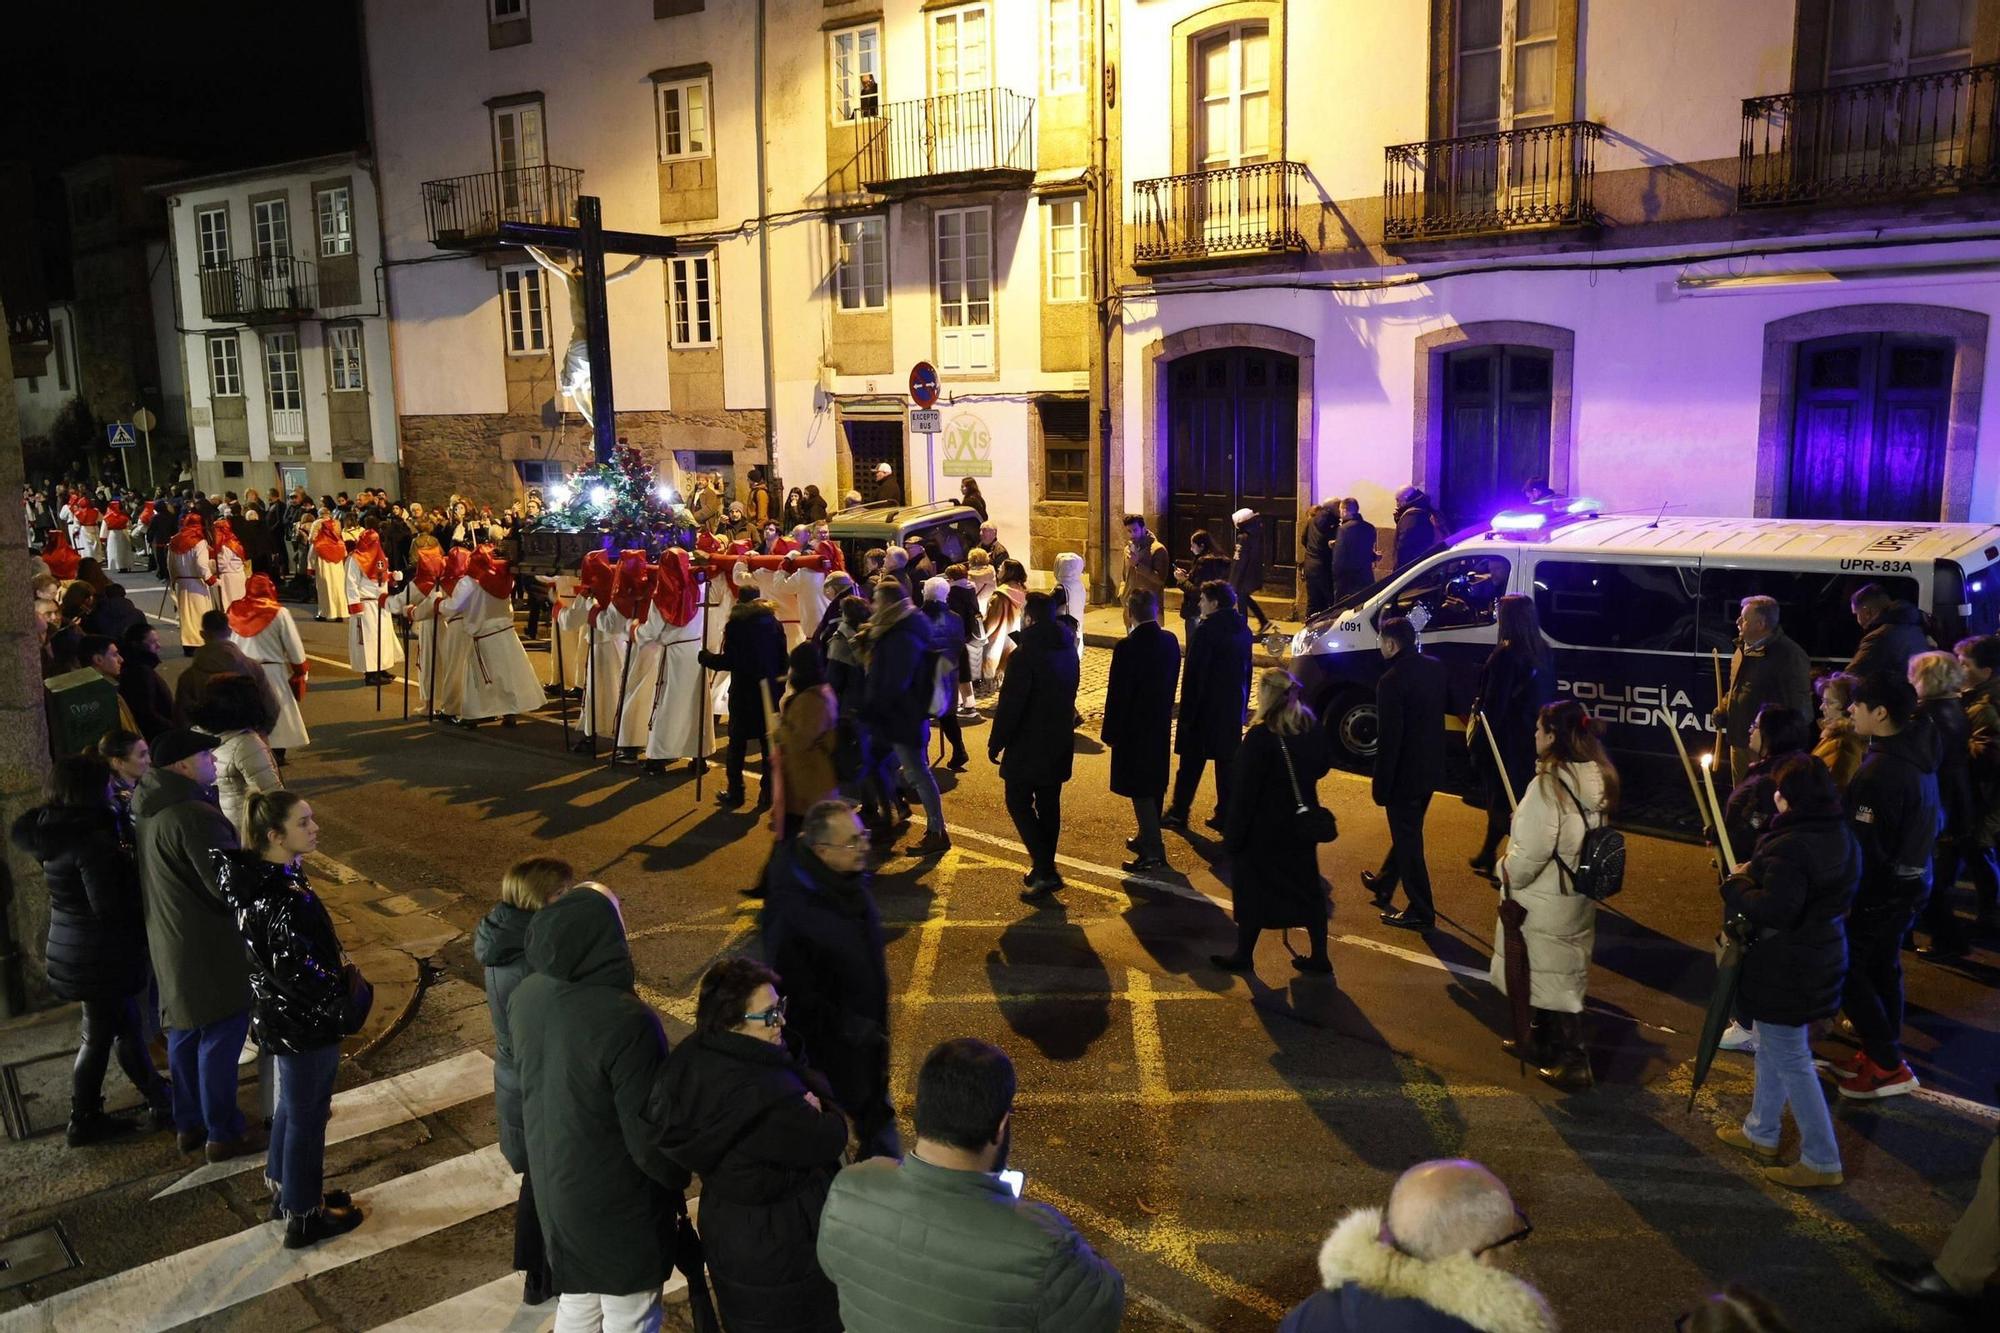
(256, 608)
(430, 568)
(368, 554)
(677, 589)
(190, 536)
(594, 577)
(455, 566)
(491, 573)
(225, 536)
(632, 587)
(116, 519)
(327, 543)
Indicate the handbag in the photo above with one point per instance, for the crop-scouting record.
(1312, 823)
(357, 997)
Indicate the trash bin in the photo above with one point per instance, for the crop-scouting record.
(83, 705)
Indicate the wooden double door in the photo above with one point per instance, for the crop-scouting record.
(1233, 443)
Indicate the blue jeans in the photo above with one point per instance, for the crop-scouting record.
(297, 1159)
(915, 760)
(1785, 1074)
(203, 1063)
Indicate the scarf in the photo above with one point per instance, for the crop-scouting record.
(190, 536)
(368, 556)
(256, 608)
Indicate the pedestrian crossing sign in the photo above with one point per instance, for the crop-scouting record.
(121, 434)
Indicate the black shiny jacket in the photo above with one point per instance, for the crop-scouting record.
(299, 1000)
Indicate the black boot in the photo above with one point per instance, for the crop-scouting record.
(1536, 1050)
(89, 1124)
(1569, 1063)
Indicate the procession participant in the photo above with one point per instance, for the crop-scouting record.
(416, 600)
(88, 521)
(753, 651)
(499, 681)
(231, 561)
(567, 623)
(371, 645)
(453, 645)
(805, 583)
(604, 653)
(61, 558)
(329, 550)
(627, 688)
(193, 575)
(117, 538)
(269, 638)
(67, 515)
(680, 727)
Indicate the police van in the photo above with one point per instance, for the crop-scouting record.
(1640, 609)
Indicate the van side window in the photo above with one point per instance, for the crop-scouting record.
(951, 543)
(1460, 593)
(1592, 605)
(1812, 606)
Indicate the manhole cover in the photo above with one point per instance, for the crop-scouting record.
(34, 1256)
(34, 1094)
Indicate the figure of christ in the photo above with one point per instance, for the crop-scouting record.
(574, 378)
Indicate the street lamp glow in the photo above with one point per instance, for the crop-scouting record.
(600, 496)
(559, 494)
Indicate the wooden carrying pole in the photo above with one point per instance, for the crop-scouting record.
(1499, 766)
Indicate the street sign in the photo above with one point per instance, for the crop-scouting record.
(144, 419)
(121, 434)
(926, 421)
(924, 386)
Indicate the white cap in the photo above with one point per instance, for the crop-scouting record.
(1242, 516)
(883, 469)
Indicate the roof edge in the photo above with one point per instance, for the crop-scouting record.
(295, 166)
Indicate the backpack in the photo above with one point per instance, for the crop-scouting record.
(1599, 872)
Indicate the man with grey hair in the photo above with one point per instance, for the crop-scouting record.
(1768, 667)
(1429, 1261)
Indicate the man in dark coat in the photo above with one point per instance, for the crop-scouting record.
(114, 613)
(1419, 530)
(1322, 520)
(1033, 738)
(1246, 565)
(895, 702)
(217, 656)
(1353, 550)
(1892, 632)
(1213, 696)
(753, 653)
(166, 522)
(942, 608)
(588, 1050)
(1768, 667)
(823, 934)
(1138, 718)
(139, 683)
(886, 490)
(1409, 767)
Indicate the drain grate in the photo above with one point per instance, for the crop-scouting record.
(34, 1256)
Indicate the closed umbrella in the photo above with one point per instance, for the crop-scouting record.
(1513, 943)
(1728, 956)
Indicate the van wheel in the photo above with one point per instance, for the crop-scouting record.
(1352, 728)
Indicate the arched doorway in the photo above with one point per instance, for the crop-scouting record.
(1233, 443)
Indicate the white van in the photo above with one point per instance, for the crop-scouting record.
(1639, 608)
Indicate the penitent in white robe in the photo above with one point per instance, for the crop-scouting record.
(808, 588)
(614, 639)
(276, 649)
(571, 629)
(431, 638)
(682, 726)
(231, 575)
(497, 679)
(371, 640)
(118, 555)
(775, 587)
(330, 577)
(194, 595)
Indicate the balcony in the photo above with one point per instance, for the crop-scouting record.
(1492, 184)
(1891, 139)
(1231, 212)
(269, 289)
(984, 137)
(465, 212)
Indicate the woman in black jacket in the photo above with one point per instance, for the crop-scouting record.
(1776, 734)
(1791, 903)
(299, 1005)
(1274, 878)
(97, 939)
(1517, 679)
(762, 1132)
(1938, 678)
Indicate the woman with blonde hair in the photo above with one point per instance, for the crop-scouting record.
(1839, 748)
(1938, 677)
(500, 943)
(1274, 824)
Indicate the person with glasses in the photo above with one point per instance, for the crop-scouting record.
(765, 1135)
(822, 932)
(1428, 1263)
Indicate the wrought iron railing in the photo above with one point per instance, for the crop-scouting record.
(267, 287)
(1540, 176)
(956, 134)
(1251, 209)
(1882, 140)
(28, 325)
(468, 210)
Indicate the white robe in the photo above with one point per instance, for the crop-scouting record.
(194, 595)
(614, 638)
(118, 555)
(276, 649)
(331, 576)
(497, 679)
(232, 575)
(681, 727)
(371, 643)
(572, 630)
(775, 587)
(431, 636)
(808, 589)
(1076, 598)
(718, 598)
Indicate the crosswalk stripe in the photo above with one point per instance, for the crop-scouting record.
(495, 1306)
(198, 1282)
(373, 1106)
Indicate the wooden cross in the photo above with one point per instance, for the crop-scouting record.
(590, 242)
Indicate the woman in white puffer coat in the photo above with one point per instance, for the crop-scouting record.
(1575, 788)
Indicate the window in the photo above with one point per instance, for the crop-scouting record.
(684, 120)
(1065, 448)
(960, 56)
(540, 472)
(1498, 413)
(1067, 279)
(861, 277)
(965, 289)
(336, 221)
(1505, 65)
(1868, 428)
(1642, 607)
(353, 471)
(505, 11)
(518, 156)
(343, 352)
(693, 282)
(1069, 46)
(857, 72)
(527, 311)
(1868, 40)
(1459, 593)
(232, 469)
(211, 229)
(1812, 606)
(1233, 93)
(225, 369)
(272, 223)
(281, 378)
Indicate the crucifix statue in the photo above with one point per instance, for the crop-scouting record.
(586, 373)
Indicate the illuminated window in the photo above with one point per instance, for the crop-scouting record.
(1069, 46)
(526, 309)
(1068, 280)
(225, 368)
(336, 221)
(692, 280)
(861, 277)
(857, 72)
(684, 120)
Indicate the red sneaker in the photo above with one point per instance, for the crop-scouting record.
(1873, 1081)
(1845, 1066)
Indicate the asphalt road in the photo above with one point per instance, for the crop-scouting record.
(1203, 1130)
